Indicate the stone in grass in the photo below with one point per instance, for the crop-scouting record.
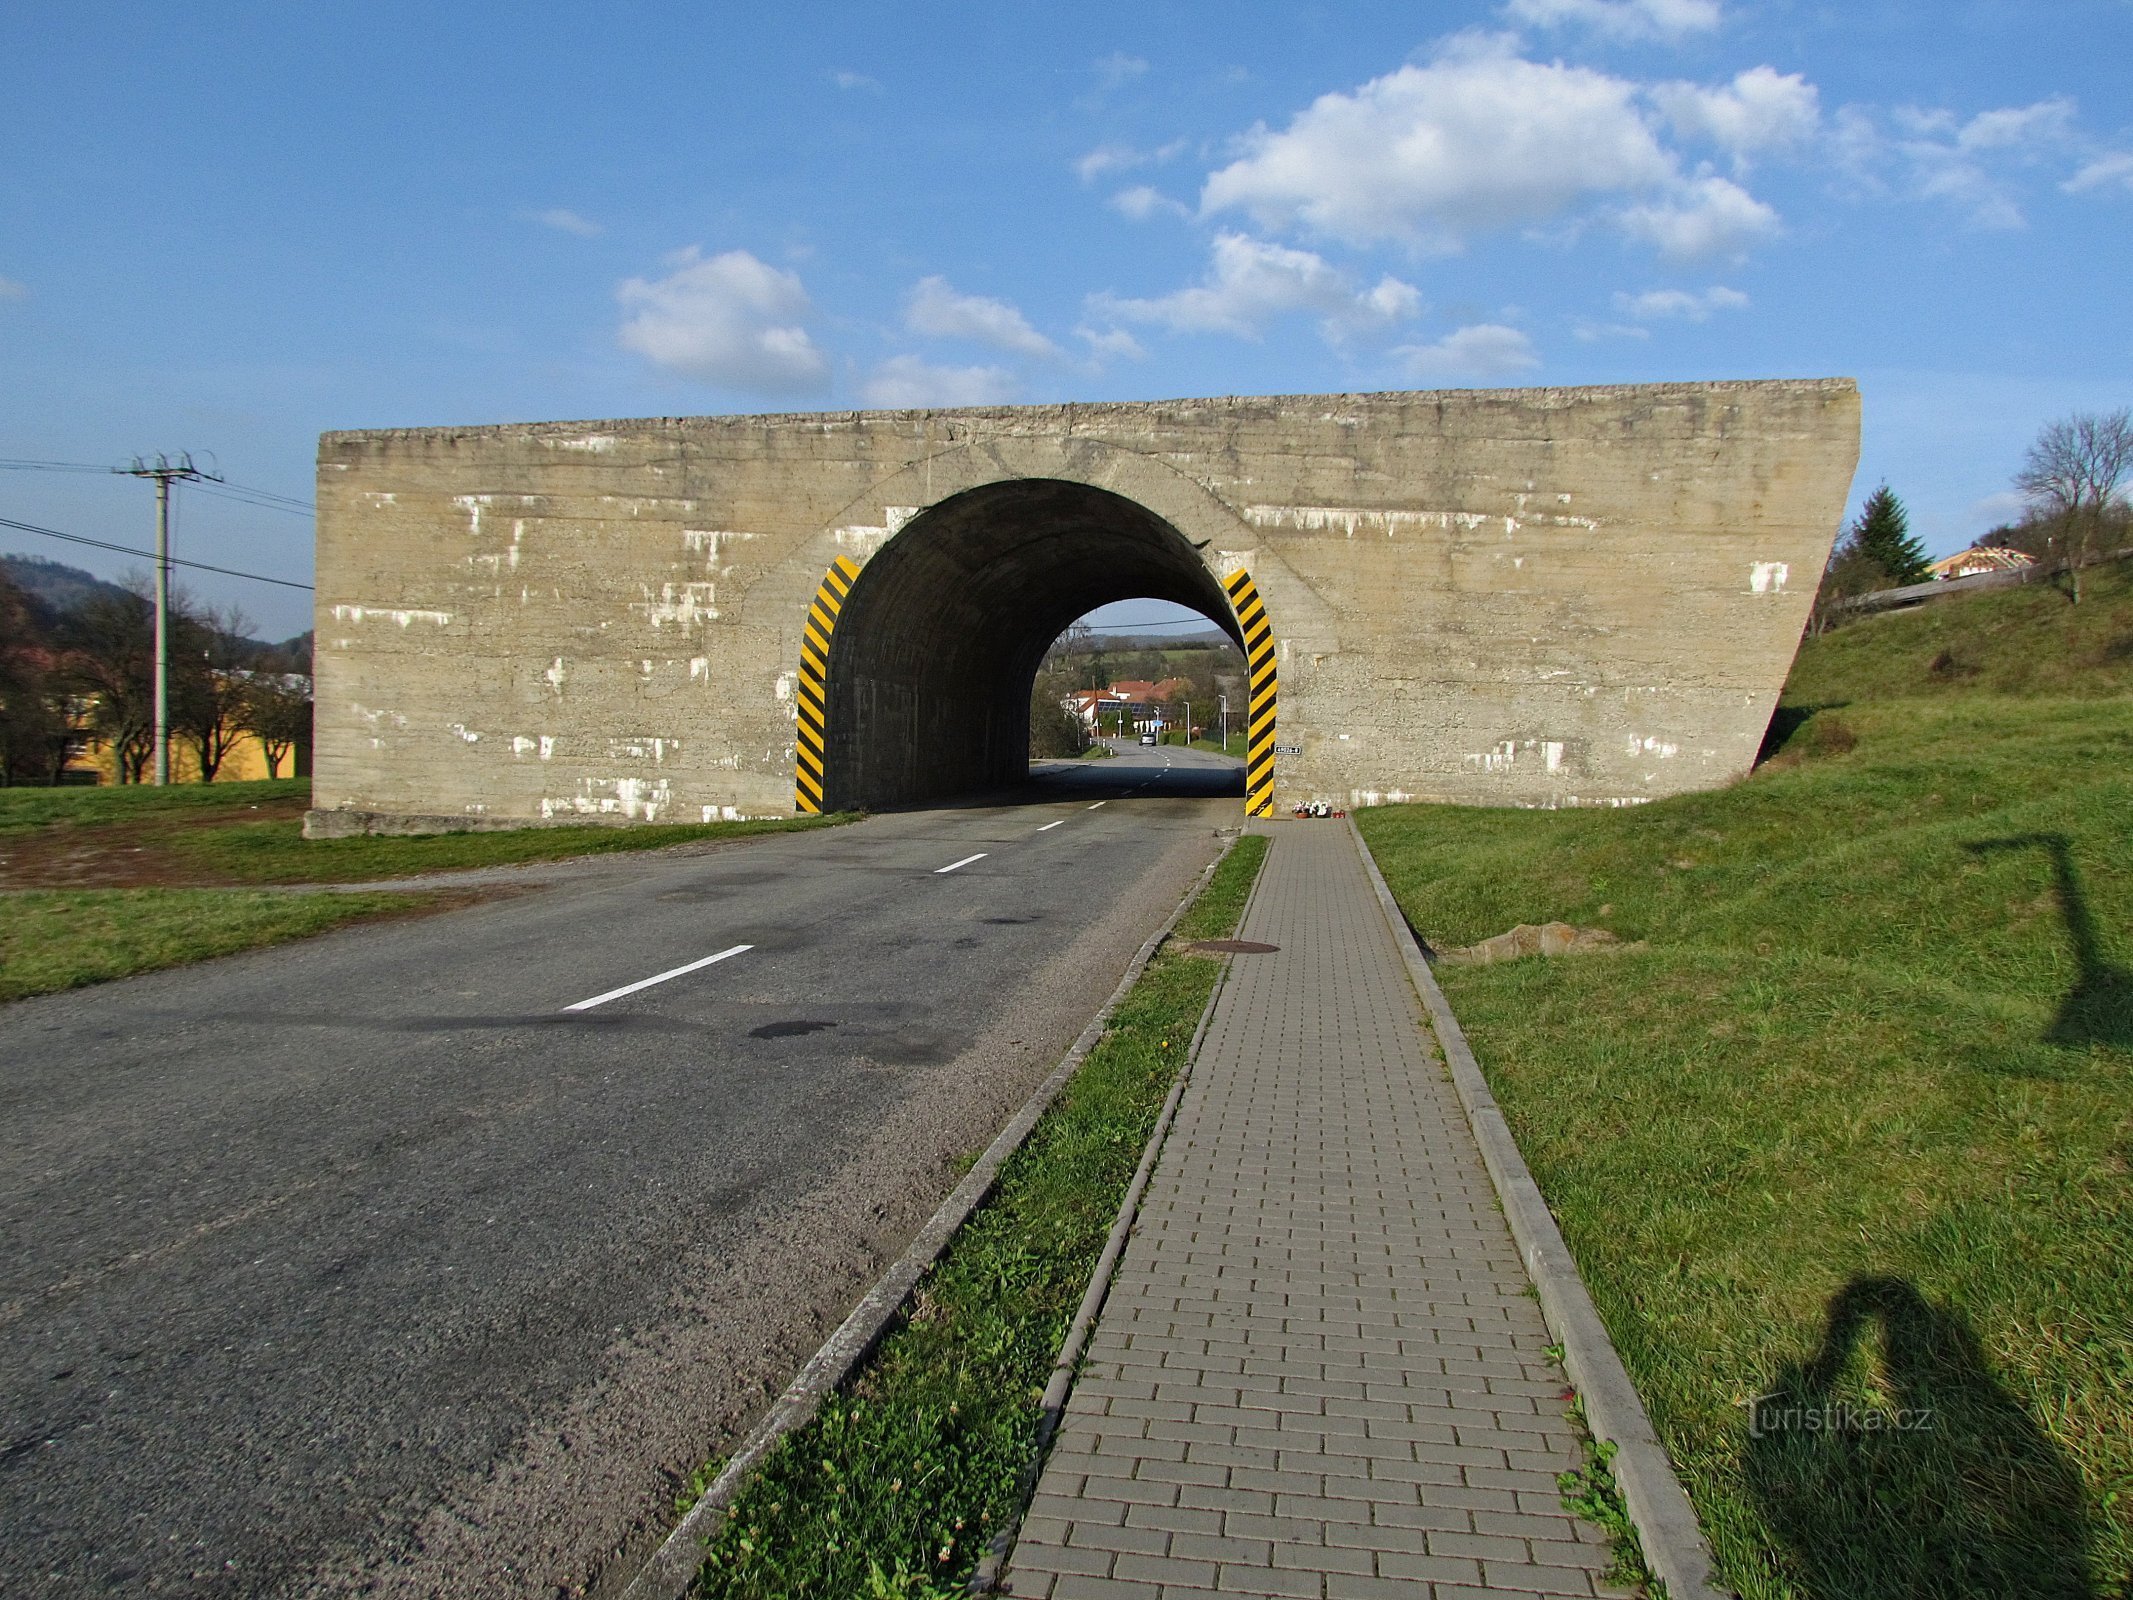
(1547, 939)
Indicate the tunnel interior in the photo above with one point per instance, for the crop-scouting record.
(939, 640)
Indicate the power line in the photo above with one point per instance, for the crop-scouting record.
(260, 498)
(245, 493)
(148, 555)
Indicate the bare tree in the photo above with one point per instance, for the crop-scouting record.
(208, 654)
(110, 660)
(277, 711)
(2074, 478)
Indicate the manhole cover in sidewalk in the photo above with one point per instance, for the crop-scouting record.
(1233, 947)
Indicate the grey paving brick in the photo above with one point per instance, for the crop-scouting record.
(1318, 1372)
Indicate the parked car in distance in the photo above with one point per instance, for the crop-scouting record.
(1147, 738)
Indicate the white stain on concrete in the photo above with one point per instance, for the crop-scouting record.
(379, 498)
(1768, 577)
(1377, 797)
(683, 605)
(710, 543)
(377, 719)
(640, 799)
(404, 616)
(652, 750)
(1351, 521)
(1651, 746)
(522, 746)
(1504, 755)
(598, 444)
(555, 675)
(699, 669)
(466, 733)
(473, 504)
(866, 538)
(785, 688)
(722, 813)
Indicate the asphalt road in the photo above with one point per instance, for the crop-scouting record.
(369, 1265)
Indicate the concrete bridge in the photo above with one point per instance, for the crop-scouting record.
(1542, 597)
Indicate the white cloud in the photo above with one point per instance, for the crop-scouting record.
(1142, 202)
(1111, 344)
(565, 222)
(12, 290)
(937, 310)
(845, 78)
(731, 320)
(1966, 163)
(1655, 305)
(1118, 69)
(1620, 19)
(2102, 173)
(1761, 109)
(906, 381)
(1707, 217)
(1478, 139)
(1480, 350)
(1123, 158)
(1591, 332)
(1250, 282)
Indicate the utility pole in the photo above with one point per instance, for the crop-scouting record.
(165, 473)
(1225, 724)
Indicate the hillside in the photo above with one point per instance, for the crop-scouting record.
(56, 589)
(53, 585)
(1849, 1122)
(2026, 641)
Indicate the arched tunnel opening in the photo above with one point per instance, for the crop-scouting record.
(937, 640)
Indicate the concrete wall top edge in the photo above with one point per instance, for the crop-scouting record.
(1381, 400)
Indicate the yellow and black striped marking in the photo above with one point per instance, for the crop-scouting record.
(813, 696)
(1259, 726)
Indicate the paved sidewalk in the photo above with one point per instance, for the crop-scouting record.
(1319, 1372)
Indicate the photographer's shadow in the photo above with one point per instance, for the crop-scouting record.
(1944, 1488)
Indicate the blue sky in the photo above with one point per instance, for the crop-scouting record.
(229, 228)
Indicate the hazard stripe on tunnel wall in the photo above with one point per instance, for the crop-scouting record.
(811, 739)
(1259, 725)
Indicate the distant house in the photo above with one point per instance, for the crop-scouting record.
(1093, 706)
(1969, 563)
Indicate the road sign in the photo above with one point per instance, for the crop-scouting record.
(1288, 749)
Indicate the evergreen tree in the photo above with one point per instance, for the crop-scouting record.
(1882, 534)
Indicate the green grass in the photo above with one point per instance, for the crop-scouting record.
(1853, 1128)
(2026, 641)
(173, 821)
(276, 852)
(64, 938)
(898, 1483)
(22, 810)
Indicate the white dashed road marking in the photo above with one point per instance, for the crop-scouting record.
(980, 856)
(1049, 826)
(646, 983)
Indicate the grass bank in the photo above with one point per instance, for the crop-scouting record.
(204, 835)
(1843, 1149)
(104, 883)
(53, 939)
(898, 1483)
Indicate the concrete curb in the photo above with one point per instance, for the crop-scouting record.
(985, 1579)
(674, 1565)
(1674, 1545)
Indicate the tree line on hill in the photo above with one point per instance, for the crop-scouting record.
(77, 668)
(2073, 483)
(1200, 671)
